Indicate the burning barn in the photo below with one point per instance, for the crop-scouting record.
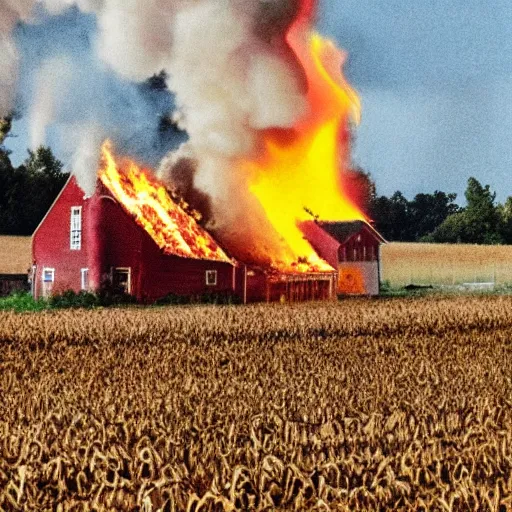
(142, 244)
(132, 237)
(267, 164)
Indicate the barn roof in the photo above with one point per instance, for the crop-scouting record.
(172, 228)
(15, 254)
(342, 231)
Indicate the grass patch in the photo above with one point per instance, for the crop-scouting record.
(22, 301)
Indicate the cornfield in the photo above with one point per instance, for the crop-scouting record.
(15, 254)
(446, 264)
(400, 404)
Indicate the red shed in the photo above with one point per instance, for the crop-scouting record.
(84, 243)
(353, 248)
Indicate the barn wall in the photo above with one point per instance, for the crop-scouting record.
(51, 247)
(153, 274)
(358, 278)
(250, 283)
(112, 239)
(362, 246)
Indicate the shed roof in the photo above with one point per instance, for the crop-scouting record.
(342, 231)
(15, 254)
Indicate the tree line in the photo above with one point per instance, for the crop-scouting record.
(27, 191)
(437, 218)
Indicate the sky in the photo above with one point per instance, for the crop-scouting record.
(434, 77)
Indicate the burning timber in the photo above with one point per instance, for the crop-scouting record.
(132, 237)
(92, 243)
(258, 284)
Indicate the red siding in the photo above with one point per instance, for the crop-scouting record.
(362, 246)
(124, 243)
(110, 239)
(325, 246)
(51, 244)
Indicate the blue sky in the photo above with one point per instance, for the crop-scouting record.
(435, 80)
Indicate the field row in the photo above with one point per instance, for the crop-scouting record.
(446, 264)
(359, 405)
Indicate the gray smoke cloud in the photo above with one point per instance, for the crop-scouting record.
(230, 70)
(51, 84)
(11, 12)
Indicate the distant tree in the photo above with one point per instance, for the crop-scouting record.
(399, 219)
(27, 192)
(453, 230)
(5, 128)
(391, 216)
(505, 220)
(478, 223)
(481, 212)
(427, 211)
(42, 163)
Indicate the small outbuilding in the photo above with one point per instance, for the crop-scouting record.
(259, 284)
(353, 249)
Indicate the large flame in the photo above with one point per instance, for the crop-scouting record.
(174, 230)
(302, 177)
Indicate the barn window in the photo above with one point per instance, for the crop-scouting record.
(122, 280)
(211, 277)
(48, 280)
(84, 278)
(76, 228)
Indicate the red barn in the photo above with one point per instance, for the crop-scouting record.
(353, 249)
(85, 243)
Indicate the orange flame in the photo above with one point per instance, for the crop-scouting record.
(296, 179)
(173, 230)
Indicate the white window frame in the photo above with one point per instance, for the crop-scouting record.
(84, 279)
(52, 272)
(208, 276)
(45, 292)
(75, 228)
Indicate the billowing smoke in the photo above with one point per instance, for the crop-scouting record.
(228, 88)
(11, 12)
(229, 67)
(51, 83)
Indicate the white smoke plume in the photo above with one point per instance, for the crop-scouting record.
(87, 140)
(52, 81)
(229, 68)
(11, 12)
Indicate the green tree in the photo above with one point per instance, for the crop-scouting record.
(5, 128)
(477, 223)
(27, 192)
(391, 216)
(505, 220)
(427, 211)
